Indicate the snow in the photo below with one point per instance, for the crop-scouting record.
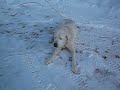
(26, 32)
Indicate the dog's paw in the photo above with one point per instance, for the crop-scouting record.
(48, 62)
(75, 70)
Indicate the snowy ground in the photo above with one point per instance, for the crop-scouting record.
(26, 32)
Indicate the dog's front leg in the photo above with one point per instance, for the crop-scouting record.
(74, 62)
(71, 47)
(57, 50)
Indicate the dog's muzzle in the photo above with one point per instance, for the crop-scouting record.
(55, 44)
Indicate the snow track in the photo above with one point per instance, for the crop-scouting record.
(51, 77)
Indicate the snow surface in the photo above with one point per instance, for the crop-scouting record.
(26, 32)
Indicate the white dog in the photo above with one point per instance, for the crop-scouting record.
(64, 37)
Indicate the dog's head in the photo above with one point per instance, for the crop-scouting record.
(60, 40)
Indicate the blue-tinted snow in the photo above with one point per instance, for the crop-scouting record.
(26, 32)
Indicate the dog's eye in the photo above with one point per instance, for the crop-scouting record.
(60, 38)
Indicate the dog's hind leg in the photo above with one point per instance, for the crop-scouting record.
(57, 50)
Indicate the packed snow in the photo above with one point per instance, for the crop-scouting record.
(26, 33)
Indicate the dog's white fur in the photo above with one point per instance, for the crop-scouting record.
(64, 37)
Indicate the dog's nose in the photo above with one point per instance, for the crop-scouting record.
(55, 45)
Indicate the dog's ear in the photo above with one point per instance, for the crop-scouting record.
(68, 37)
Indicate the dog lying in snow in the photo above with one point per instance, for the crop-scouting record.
(64, 37)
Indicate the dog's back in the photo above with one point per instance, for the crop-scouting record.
(70, 24)
(68, 21)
